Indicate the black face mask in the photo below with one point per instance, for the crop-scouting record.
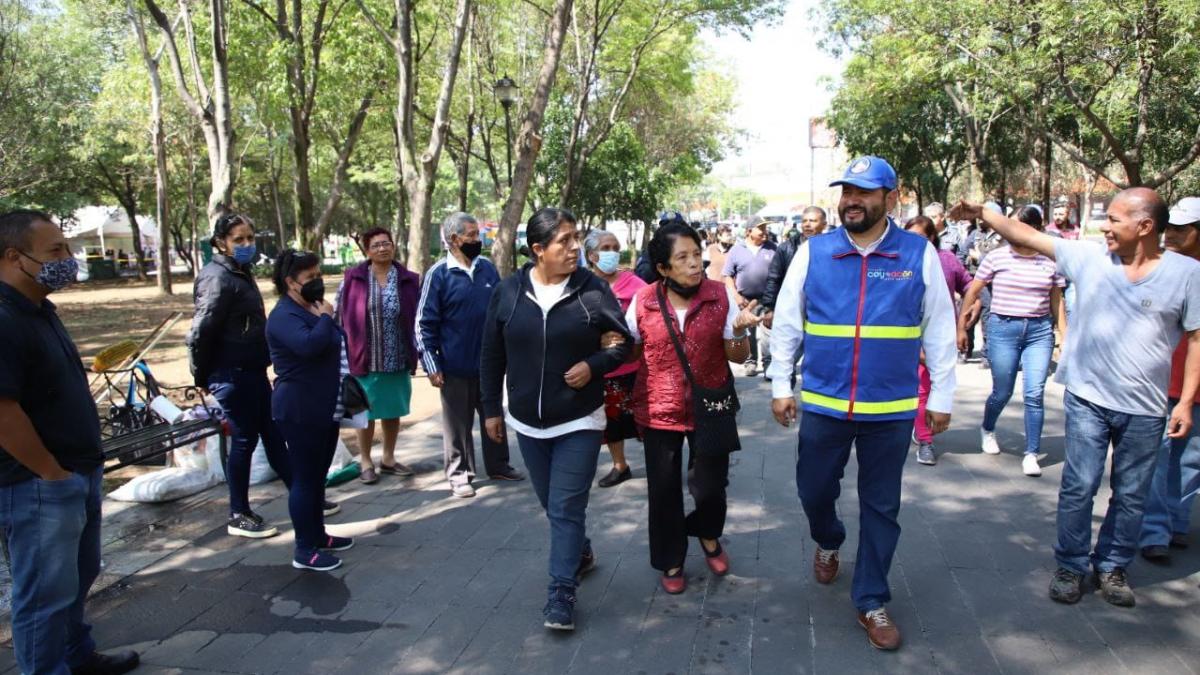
(682, 291)
(313, 291)
(472, 249)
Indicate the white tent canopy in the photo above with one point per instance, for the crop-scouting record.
(108, 227)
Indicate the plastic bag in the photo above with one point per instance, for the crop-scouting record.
(343, 467)
(260, 469)
(165, 485)
(360, 421)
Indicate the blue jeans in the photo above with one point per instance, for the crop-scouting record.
(1176, 473)
(1029, 343)
(310, 450)
(1135, 440)
(561, 470)
(52, 529)
(882, 448)
(245, 398)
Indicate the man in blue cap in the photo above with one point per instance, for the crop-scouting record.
(863, 302)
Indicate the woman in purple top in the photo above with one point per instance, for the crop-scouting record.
(957, 281)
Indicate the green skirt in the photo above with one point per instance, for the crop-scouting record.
(388, 393)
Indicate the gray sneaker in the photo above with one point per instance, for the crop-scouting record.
(925, 454)
(1114, 588)
(1066, 586)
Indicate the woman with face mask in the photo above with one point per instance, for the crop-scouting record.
(603, 252)
(306, 349)
(718, 250)
(377, 307)
(710, 331)
(545, 332)
(227, 346)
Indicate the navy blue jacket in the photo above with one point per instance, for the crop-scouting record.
(307, 353)
(450, 316)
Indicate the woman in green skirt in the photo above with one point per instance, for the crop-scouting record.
(377, 307)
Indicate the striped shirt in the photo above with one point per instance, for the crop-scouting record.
(1020, 284)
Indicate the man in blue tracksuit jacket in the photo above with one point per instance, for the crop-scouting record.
(450, 316)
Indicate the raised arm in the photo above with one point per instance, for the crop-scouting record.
(1014, 231)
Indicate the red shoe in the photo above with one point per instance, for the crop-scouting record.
(674, 584)
(718, 561)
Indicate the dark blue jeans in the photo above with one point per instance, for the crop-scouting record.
(561, 470)
(1135, 440)
(310, 449)
(1028, 343)
(245, 398)
(52, 529)
(1176, 475)
(882, 448)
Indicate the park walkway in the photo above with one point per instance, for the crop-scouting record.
(443, 585)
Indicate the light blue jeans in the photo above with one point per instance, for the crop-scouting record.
(1176, 473)
(1028, 343)
(561, 470)
(52, 529)
(1091, 428)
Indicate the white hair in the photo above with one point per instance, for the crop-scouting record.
(934, 209)
(592, 241)
(456, 223)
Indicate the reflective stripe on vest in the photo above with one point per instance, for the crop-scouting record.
(863, 407)
(847, 331)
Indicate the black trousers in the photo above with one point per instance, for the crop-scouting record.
(707, 477)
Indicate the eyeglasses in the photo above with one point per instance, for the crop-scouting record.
(382, 246)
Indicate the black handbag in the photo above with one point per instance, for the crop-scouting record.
(354, 397)
(715, 410)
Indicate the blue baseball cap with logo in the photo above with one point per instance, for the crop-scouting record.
(869, 173)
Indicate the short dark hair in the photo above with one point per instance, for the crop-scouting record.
(927, 228)
(542, 225)
(15, 227)
(364, 239)
(663, 242)
(1030, 215)
(290, 263)
(225, 225)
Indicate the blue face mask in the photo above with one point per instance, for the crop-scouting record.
(244, 255)
(608, 262)
(55, 274)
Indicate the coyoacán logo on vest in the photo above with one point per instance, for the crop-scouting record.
(890, 275)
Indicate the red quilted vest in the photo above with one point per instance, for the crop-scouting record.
(662, 398)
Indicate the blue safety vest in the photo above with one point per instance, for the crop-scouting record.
(862, 327)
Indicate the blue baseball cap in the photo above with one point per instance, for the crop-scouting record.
(868, 173)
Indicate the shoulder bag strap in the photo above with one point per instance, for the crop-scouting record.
(662, 305)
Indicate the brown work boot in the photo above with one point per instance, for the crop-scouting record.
(825, 566)
(881, 632)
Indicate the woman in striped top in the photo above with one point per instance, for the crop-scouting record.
(1026, 305)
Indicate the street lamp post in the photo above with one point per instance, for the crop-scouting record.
(506, 92)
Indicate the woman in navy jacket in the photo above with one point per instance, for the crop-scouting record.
(306, 348)
(545, 330)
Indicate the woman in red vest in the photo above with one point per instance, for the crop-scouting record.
(706, 320)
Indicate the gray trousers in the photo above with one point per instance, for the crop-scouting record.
(460, 404)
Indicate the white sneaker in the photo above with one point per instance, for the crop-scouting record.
(987, 440)
(750, 369)
(1030, 465)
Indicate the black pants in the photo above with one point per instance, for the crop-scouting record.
(245, 398)
(310, 448)
(707, 477)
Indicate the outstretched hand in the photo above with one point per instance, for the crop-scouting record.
(965, 211)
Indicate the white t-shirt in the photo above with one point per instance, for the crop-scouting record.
(681, 314)
(547, 296)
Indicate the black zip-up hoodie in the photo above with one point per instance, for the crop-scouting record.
(536, 352)
(229, 329)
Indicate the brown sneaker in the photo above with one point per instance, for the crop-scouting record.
(881, 632)
(825, 566)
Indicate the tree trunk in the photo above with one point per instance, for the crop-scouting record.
(528, 140)
(158, 145)
(1047, 174)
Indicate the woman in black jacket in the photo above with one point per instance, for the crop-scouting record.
(227, 346)
(548, 321)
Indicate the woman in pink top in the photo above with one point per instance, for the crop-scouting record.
(1026, 304)
(957, 281)
(603, 252)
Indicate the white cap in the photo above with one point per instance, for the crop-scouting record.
(1185, 212)
(994, 207)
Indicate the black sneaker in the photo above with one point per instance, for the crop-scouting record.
(559, 612)
(1179, 540)
(318, 561)
(1066, 586)
(1114, 588)
(615, 477)
(108, 664)
(250, 525)
(331, 508)
(587, 563)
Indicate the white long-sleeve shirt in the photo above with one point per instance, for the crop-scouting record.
(938, 328)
